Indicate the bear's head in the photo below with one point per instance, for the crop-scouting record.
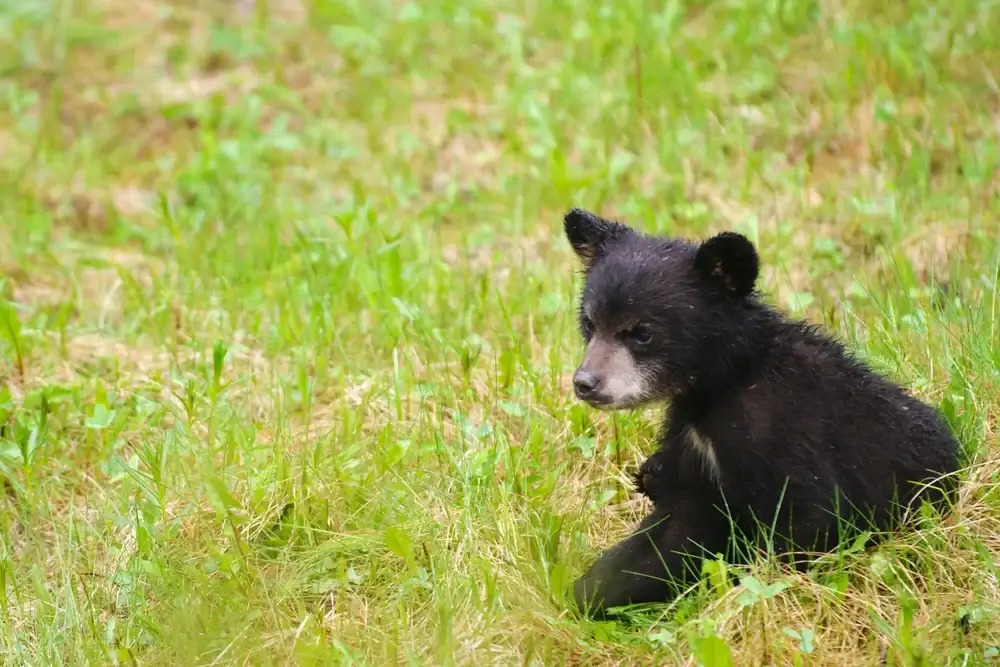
(659, 316)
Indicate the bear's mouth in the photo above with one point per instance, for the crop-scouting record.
(607, 404)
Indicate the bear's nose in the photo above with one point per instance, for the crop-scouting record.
(584, 382)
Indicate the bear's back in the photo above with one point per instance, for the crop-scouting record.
(811, 427)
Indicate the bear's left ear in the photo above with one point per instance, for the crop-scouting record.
(730, 262)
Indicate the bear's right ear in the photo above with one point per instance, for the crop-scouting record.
(590, 234)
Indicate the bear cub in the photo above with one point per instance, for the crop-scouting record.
(774, 435)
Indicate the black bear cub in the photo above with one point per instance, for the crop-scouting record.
(774, 433)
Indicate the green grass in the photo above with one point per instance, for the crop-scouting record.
(287, 316)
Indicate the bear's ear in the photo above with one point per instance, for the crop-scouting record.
(730, 262)
(590, 234)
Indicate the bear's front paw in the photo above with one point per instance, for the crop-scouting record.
(647, 475)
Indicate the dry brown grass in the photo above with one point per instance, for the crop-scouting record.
(118, 302)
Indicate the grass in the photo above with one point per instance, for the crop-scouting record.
(287, 316)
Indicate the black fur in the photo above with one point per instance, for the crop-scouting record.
(589, 234)
(730, 262)
(799, 427)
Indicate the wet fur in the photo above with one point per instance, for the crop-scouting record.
(796, 424)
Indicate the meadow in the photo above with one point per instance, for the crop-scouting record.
(287, 317)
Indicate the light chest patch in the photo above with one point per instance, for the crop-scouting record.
(705, 450)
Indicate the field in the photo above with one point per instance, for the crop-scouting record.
(287, 317)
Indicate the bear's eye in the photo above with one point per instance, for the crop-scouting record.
(640, 335)
(588, 327)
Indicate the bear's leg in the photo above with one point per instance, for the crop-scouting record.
(660, 557)
(649, 478)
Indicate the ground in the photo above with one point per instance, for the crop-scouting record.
(286, 316)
